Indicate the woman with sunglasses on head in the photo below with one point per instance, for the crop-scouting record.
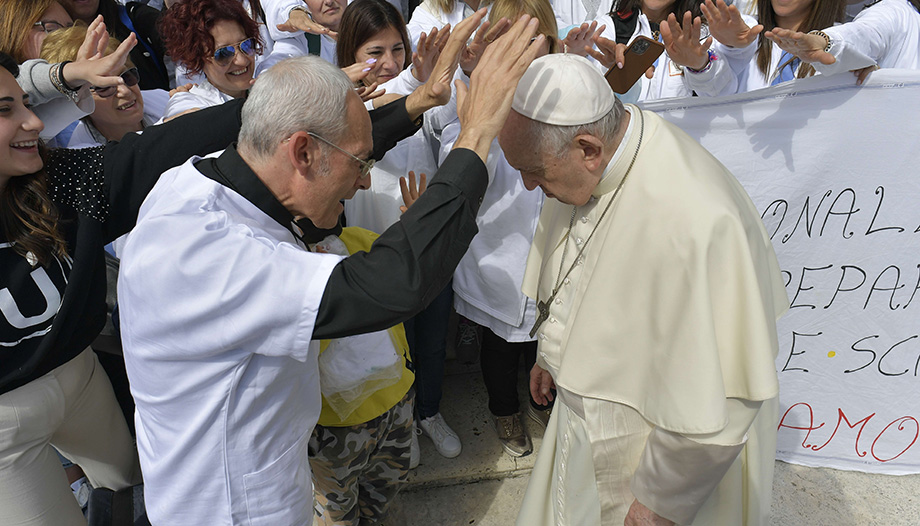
(216, 38)
(119, 109)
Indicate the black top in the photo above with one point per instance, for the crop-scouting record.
(49, 314)
(148, 55)
(408, 265)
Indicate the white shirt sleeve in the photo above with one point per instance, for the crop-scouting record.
(871, 37)
(277, 12)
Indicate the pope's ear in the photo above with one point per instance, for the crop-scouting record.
(592, 151)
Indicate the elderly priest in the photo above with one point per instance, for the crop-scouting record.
(658, 292)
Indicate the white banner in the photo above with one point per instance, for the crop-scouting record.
(833, 169)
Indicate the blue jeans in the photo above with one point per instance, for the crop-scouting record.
(426, 333)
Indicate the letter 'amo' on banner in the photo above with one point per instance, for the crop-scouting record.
(834, 170)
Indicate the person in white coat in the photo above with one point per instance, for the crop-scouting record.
(885, 33)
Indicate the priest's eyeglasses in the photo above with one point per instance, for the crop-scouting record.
(365, 165)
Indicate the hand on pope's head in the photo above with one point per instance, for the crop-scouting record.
(639, 515)
(428, 51)
(808, 47)
(580, 39)
(682, 41)
(541, 385)
(727, 26)
(410, 191)
(92, 65)
(483, 107)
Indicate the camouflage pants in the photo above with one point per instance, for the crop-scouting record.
(358, 470)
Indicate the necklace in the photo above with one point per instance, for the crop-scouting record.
(543, 306)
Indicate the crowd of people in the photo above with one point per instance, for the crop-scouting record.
(276, 205)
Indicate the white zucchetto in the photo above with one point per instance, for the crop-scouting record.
(563, 90)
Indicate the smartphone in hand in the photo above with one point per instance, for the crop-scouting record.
(640, 55)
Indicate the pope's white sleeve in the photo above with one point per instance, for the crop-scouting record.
(678, 472)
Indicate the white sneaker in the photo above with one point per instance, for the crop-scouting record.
(415, 452)
(445, 440)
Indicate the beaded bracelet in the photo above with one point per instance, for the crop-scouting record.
(57, 79)
(827, 39)
(712, 58)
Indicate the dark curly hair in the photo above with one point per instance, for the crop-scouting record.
(186, 29)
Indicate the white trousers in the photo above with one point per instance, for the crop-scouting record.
(74, 409)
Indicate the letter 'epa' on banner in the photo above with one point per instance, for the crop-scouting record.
(833, 168)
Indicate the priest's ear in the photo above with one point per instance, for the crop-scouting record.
(591, 150)
(303, 152)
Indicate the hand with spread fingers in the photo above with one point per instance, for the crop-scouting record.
(807, 46)
(428, 51)
(682, 42)
(727, 26)
(580, 39)
(485, 35)
(92, 65)
(483, 107)
(436, 90)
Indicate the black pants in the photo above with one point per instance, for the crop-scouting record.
(500, 361)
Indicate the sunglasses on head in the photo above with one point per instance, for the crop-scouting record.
(223, 55)
(131, 78)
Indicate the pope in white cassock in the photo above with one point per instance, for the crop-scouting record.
(658, 293)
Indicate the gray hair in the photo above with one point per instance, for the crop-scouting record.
(297, 94)
(555, 140)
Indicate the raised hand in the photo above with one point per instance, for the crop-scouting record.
(369, 92)
(93, 66)
(428, 51)
(300, 20)
(359, 70)
(410, 191)
(485, 35)
(682, 42)
(808, 47)
(484, 106)
(726, 24)
(580, 39)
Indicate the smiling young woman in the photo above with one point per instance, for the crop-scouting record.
(58, 209)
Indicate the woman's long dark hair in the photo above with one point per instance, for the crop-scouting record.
(27, 215)
(362, 20)
(824, 13)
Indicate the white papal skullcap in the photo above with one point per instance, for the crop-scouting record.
(563, 90)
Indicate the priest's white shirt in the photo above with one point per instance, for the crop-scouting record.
(224, 372)
(886, 33)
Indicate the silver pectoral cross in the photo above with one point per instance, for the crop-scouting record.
(542, 314)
